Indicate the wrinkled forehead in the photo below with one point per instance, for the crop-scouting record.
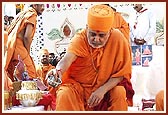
(97, 31)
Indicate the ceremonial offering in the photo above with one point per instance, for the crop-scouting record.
(29, 95)
(29, 98)
(29, 85)
(52, 81)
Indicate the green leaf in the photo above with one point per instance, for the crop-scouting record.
(54, 34)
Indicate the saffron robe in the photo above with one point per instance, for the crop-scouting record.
(15, 44)
(41, 72)
(48, 99)
(94, 67)
(122, 25)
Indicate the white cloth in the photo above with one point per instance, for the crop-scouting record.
(21, 109)
(145, 27)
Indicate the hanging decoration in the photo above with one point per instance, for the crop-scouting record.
(65, 6)
(53, 7)
(67, 29)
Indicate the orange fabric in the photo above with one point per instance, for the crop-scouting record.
(122, 25)
(129, 90)
(5, 37)
(41, 72)
(100, 17)
(117, 93)
(8, 84)
(82, 78)
(68, 98)
(160, 101)
(15, 45)
(5, 40)
(48, 101)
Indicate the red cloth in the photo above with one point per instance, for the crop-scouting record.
(15, 102)
(47, 100)
(103, 105)
(128, 87)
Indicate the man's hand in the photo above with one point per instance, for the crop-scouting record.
(51, 72)
(53, 78)
(139, 41)
(96, 97)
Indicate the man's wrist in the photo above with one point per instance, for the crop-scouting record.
(59, 70)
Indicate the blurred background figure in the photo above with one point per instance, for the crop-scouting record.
(143, 28)
(20, 34)
(120, 23)
(41, 71)
(44, 67)
(52, 59)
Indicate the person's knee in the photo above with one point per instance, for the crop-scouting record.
(118, 92)
(63, 92)
(118, 99)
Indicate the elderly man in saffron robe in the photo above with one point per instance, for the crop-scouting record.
(96, 67)
(20, 35)
(143, 28)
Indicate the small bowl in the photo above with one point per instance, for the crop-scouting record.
(29, 98)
